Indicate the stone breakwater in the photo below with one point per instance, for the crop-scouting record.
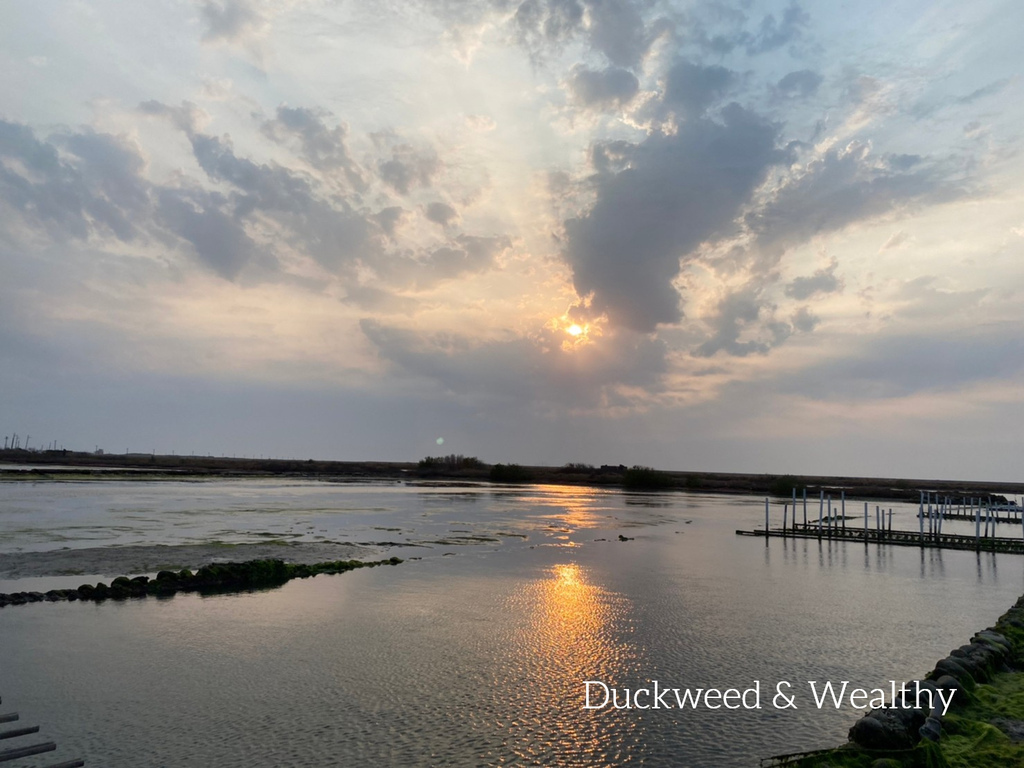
(218, 577)
(984, 726)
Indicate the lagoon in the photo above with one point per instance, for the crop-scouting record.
(475, 650)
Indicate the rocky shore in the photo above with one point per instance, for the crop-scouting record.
(217, 577)
(984, 727)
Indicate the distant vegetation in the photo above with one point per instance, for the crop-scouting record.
(646, 478)
(576, 466)
(450, 462)
(784, 485)
(510, 473)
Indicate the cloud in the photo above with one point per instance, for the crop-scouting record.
(93, 188)
(440, 213)
(206, 221)
(465, 254)
(609, 88)
(691, 88)
(231, 20)
(617, 30)
(614, 28)
(841, 187)
(897, 366)
(822, 281)
(322, 147)
(408, 168)
(804, 320)
(528, 370)
(773, 33)
(743, 312)
(801, 83)
(677, 191)
(896, 239)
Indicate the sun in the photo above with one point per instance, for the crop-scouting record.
(574, 330)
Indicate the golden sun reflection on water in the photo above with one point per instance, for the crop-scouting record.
(575, 631)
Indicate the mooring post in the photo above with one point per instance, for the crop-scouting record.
(843, 502)
(865, 522)
(766, 517)
(878, 525)
(805, 507)
(794, 509)
(821, 508)
(920, 517)
(785, 511)
(890, 519)
(977, 524)
(830, 515)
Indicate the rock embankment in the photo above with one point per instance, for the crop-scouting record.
(983, 682)
(218, 577)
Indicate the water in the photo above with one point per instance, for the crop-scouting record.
(476, 653)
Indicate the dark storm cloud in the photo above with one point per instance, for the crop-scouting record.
(603, 89)
(822, 281)
(497, 370)
(322, 147)
(678, 191)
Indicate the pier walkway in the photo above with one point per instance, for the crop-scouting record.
(23, 750)
(899, 538)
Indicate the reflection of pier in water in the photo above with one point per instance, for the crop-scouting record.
(832, 524)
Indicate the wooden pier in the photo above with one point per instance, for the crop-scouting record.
(897, 538)
(8, 754)
(832, 525)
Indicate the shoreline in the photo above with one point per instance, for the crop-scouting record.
(68, 466)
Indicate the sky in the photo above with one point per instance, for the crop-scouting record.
(778, 237)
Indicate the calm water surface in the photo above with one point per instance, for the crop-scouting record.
(476, 653)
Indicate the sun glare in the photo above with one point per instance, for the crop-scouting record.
(574, 330)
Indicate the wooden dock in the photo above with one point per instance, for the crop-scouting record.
(8, 754)
(897, 538)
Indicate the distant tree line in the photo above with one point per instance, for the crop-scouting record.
(451, 461)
